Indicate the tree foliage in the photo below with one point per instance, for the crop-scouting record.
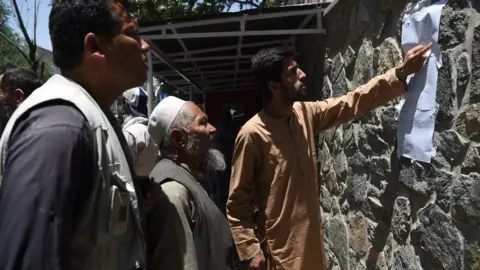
(146, 10)
(11, 46)
(16, 50)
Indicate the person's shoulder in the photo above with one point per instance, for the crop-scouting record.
(298, 105)
(55, 113)
(301, 105)
(176, 193)
(305, 107)
(51, 117)
(137, 128)
(54, 130)
(252, 126)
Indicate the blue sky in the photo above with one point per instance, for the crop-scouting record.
(43, 37)
(26, 8)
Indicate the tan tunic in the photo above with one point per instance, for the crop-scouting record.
(275, 160)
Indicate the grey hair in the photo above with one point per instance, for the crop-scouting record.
(183, 121)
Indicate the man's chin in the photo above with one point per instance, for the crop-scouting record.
(300, 95)
(303, 91)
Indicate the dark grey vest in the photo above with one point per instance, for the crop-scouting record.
(213, 240)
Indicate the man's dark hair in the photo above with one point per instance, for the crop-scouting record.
(71, 20)
(267, 65)
(20, 78)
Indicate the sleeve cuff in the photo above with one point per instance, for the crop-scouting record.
(248, 246)
(399, 86)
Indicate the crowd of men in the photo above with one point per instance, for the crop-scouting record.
(79, 191)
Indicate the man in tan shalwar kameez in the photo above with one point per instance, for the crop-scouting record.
(275, 160)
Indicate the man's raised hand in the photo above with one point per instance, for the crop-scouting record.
(414, 60)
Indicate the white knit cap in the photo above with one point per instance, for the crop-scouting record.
(162, 118)
(133, 95)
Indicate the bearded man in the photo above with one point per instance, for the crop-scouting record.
(275, 159)
(15, 86)
(186, 229)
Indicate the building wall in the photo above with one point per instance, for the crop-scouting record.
(380, 212)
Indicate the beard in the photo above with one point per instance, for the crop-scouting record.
(292, 94)
(6, 111)
(213, 160)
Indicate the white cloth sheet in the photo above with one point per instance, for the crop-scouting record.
(417, 109)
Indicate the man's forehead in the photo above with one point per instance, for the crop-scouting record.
(196, 110)
(289, 62)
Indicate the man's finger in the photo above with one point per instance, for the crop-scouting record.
(422, 51)
(426, 49)
(416, 49)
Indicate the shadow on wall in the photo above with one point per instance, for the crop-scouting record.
(381, 212)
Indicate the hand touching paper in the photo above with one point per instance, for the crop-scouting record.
(414, 60)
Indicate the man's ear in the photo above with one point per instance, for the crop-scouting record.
(179, 137)
(92, 46)
(18, 97)
(273, 86)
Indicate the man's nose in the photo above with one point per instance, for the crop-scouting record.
(213, 130)
(302, 76)
(145, 46)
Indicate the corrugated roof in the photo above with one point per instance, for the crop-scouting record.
(213, 51)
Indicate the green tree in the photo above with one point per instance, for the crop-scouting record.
(11, 46)
(21, 51)
(30, 42)
(146, 10)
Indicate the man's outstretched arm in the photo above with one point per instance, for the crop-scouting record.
(239, 205)
(336, 111)
(48, 176)
(378, 91)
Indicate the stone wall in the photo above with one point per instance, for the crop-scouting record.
(380, 212)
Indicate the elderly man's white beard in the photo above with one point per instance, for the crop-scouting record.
(214, 159)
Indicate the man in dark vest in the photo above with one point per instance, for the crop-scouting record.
(186, 229)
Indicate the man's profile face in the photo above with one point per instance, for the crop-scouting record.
(7, 99)
(6, 110)
(293, 81)
(201, 129)
(126, 53)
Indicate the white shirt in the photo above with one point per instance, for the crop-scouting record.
(144, 150)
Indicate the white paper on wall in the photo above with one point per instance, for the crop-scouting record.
(417, 109)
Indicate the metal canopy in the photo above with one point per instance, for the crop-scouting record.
(212, 53)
